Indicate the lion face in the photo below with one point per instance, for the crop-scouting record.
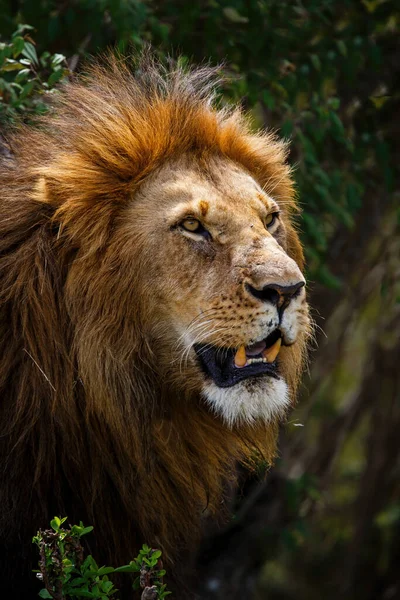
(226, 304)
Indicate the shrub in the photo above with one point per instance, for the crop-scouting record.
(66, 573)
(25, 77)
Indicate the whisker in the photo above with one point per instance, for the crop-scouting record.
(198, 340)
(41, 370)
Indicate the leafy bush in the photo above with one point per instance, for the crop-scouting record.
(25, 77)
(66, 573)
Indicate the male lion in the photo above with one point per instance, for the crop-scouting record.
(153, 316)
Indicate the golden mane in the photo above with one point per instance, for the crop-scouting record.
(137, 471)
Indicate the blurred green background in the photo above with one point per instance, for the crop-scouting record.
(325, 74)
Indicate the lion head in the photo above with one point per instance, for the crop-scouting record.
(225, 301)
(151, 278)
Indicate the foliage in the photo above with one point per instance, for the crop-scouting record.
(25, 77)
(66, 573)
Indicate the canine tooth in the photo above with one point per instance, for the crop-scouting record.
(240, 357)
(271, 353)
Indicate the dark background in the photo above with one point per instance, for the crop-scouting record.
(326, 523)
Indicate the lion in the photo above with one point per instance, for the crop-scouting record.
(153, 311)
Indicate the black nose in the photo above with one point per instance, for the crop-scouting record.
(275, 293)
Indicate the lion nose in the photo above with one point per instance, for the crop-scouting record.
(278, 295)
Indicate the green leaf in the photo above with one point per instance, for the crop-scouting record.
(22, 27)
(92, 563)
(44, 594)
(86, 530)
(127, 569)
(105, 571)
(30, 52)
(18, 45)
(107, 586)
(67, 562)
(56, 60)
(55, 523)
(23, 74)
(77, 581)
(11, 65)
(88, 563)
(76, 530)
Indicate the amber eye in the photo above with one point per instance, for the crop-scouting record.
(193, 229)
(271, 220)
(192, 225)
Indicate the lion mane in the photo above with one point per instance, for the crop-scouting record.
(87, 430)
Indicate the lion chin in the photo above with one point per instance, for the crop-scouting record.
(263, 398)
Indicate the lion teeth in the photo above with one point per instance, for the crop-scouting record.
(268, 356)
(271, 353)
(240, 357)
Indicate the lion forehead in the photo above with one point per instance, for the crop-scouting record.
(220, 192)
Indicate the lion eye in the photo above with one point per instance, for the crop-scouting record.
(271, 220)
(192, 225)
(193, 229)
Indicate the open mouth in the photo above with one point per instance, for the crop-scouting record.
(228, 366)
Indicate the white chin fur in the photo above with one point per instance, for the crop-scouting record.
(249, 400)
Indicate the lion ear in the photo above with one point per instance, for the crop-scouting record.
(43, 192)
(48, 191)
